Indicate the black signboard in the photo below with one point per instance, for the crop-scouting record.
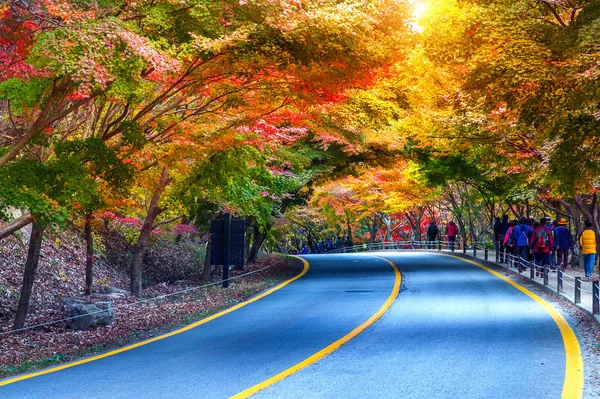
(217, 239)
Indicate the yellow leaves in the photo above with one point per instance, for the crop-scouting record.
(393, 190)
(223, 43)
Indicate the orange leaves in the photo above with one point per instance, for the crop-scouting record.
(391, 190)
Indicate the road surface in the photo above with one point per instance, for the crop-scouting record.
(454, 331)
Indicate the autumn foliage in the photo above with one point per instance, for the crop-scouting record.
(368, 117)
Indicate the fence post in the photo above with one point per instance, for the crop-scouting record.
(545, 271)
(577, 290)
(439, 245)
(595, 296)
(497, 256)
(531, 271)
(412, 244)
(464, 247)
(485, 252)
(474, 250)
(559, 280)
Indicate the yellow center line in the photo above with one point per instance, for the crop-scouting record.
(332, 347)
(172, 333)
(573, 384)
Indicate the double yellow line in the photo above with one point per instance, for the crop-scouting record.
(329, 349)
(572, 386)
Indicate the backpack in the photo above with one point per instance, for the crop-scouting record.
(519, 233)
(542, 238)
(511, 239)
(432, 231)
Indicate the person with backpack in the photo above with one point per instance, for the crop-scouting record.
(564, 243)
(587, 241)
(530, 223)
(451, 232)
(520, 236)
(509, 242)
(541, 243)
(432, 233)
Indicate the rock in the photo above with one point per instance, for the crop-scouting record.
(117, 293)
(97, 310)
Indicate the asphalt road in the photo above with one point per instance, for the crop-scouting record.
(454, 331)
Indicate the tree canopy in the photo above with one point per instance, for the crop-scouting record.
(368, 117)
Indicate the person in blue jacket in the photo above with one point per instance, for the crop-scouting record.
(521, 235)
(564, 243)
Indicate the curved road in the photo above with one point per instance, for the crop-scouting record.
(454, 331)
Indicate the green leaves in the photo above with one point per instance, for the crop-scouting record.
(238, 180)
(574, 162)
(23, 93)
(133, 134)
(69, 180)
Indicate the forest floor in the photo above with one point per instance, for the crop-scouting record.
(61, 274)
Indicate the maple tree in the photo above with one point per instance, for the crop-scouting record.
(181, 92)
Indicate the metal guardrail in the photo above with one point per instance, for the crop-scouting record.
(411, 245)
(502, 259)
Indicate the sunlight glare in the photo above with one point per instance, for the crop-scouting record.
(419, 8)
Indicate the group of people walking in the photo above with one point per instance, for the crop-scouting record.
(433, 231)
(545, 242)
(324, 246)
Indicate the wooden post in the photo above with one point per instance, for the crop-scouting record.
(226, 248)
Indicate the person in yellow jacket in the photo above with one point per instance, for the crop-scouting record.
(588, 248)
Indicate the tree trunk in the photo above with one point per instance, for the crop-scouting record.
(248, 236)
(31, 265)
(387, 221)
(372, 229)
(142, 243)
(310, 240)
(89, 254)
(349, 227)
(259, 239)
(184, 220)
(15, 225)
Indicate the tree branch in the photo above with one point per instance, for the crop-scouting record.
(167, 221)
(15, 225)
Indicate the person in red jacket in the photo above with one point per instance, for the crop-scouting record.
(542, 242)
(451, 232)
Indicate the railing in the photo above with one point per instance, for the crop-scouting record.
(586, 289)
(412, 245)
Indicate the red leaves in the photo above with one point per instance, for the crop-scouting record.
(262, 134)
(15, 38)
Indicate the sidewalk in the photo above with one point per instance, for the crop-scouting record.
(570, 275)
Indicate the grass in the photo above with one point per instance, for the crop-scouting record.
(28, 365)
